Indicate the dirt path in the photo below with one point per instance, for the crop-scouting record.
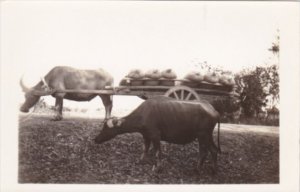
(224, 126)
(250, 128)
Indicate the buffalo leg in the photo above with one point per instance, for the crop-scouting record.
(203, 151)
(147, 143)
(107, 101)
(202, 155)
(58, 108)
(157, 150)
(214, 154)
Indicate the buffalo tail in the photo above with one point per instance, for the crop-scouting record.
(219, 147)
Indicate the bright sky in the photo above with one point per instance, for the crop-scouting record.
(119, 36)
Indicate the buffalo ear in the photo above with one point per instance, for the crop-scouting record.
(117, 121)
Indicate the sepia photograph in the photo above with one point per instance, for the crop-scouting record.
(157, 95)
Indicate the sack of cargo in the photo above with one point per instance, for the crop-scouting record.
(223, 80)
(211, 78)
(194, 76)
(125, 82)
(231, 81)
(153, 74)
(168, 74)
(227, 79)
(135, 74)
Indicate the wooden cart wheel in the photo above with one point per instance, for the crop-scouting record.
(182, 93)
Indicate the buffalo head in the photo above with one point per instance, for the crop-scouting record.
(110, 128)
(32, 95)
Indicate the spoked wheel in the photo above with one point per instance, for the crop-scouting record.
(182, 93)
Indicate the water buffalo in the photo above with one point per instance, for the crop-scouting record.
(62, 77)
(165, 119)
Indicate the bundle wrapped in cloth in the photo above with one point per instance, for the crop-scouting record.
(168, 74)
(134, 78)
(135, 74)
(151, 77)
(194, 76)
(168, 77)
(211, 77)
(227, 79)
(153, 74)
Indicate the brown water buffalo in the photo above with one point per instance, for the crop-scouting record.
(166, 119)
(62, 77)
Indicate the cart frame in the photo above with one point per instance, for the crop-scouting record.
(178, 91)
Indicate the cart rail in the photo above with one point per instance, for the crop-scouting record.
(140, 90)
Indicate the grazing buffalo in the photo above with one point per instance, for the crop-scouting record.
(166, 119)
(62, 77)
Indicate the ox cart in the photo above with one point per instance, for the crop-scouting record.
(91, 83)
(178, 88)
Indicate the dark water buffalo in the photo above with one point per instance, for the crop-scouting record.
(165, 119)
(62, 77)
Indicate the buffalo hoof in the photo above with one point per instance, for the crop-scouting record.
(144, 161)
(57, 118)
(214, 171)
(198, 170)
(157, 169)
(143, 157)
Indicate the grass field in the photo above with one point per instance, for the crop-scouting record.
(64, 152)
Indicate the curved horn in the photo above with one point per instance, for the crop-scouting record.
(24, 88)
(44, 81)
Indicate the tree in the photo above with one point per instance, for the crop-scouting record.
(272, 74)
(251, 91)
(270, 79)
(275, 48)
(259, 88)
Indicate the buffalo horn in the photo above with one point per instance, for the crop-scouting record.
(24, 88)
(44, 82)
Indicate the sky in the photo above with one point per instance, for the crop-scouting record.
(120, 36)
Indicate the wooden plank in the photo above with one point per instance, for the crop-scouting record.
(212, 92)
(103, 91)
(139, 90)
(144, 91)
(165, 88)
(145, 87)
